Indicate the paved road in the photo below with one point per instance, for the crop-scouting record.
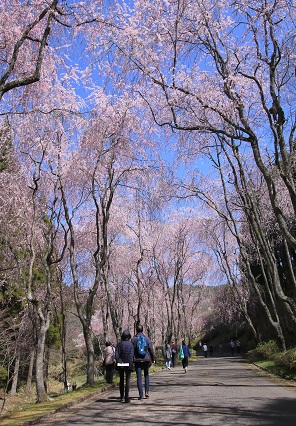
(215, 391)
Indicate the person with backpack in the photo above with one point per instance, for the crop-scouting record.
(143, 357)
(124, 354)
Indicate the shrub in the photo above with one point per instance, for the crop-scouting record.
(286, 359)
(268, 349)
(265, 350)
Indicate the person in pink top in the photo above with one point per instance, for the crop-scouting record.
(109, 358)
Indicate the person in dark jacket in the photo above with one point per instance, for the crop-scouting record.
(124, 354)
(174, 348)
(142, 363)
(187, 354)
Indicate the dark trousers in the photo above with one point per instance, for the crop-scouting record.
(174, 359)
(124, 388)
(142, 366)
(185, 361)
(109, 373)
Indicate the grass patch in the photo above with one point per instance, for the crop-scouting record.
(28, 410)
(276, 370)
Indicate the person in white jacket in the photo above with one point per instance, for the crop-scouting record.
(205, 350)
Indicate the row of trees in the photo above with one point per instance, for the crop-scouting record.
(85, 222)
(158, 101)
(222, 76)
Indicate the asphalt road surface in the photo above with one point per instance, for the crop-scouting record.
(214, 391)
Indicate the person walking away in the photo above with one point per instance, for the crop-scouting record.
(187, 354)
(232, 347)
(143, 357)
(238, 347)
(167, 354)
(174, 349)
(211, 350)
(205, 350)
(109, 359)
(181, 353)
(124, 354)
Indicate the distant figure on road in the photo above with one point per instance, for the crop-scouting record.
(232, 347)
(205, 350)
(167, 354)
(143, 361)
(187, 354)
(124, 354)
(109, 358)
(174, 349)
(211, 350)
(238, 347)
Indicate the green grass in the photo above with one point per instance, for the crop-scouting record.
(30, 411)
(276, 370)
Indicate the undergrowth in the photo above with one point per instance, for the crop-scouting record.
(269, 356)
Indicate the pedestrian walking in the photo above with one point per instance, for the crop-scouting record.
(186, 353)
(238, 347)
(211, 350)
(174, 349)
(143, 357)
(109, 358)
(124, 355)
(167, 354)
(205, 350)
(232, 347)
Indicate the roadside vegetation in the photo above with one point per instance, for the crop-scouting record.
(22, 407)
(269, 357)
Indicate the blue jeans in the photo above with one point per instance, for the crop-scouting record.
(140, 366)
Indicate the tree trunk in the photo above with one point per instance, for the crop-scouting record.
(15, 374)
(30, 372)
(40, 379)
(63, 335)
(90, 374)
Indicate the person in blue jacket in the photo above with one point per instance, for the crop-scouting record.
(142, 363)
(187, 354)
(124, 353)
